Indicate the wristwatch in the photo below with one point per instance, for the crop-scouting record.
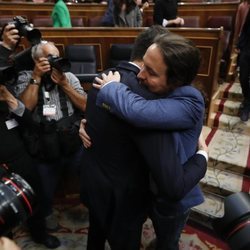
(34, 81)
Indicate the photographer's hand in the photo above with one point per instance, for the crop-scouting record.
(7, 244)
(59, 77)
(10, 37)
(29, 96)
(41, 66)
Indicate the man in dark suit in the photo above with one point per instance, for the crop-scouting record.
(180, 109)
(115, 175)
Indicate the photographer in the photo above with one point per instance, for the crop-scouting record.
(9, 38)
(13, 154)
(56, 100)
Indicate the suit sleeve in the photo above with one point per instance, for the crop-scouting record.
(171, 178)
(181, 110)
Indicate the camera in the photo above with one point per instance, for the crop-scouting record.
(17, 201)
(26, 29)
(234, 226)
(59, 63)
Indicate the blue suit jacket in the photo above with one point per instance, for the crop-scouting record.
(181, 111)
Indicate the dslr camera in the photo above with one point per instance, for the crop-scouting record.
(59, 63)
(26, 29)
(17, 201)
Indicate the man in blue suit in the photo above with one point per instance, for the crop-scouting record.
(115, 175)
(182, 110)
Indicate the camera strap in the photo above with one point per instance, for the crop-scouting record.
(63, 102)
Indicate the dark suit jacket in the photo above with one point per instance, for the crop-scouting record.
(114, 180)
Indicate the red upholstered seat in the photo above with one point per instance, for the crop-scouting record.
(5, 19)
(42, 21)
(95, 21)
(191, 21)
(77, 21)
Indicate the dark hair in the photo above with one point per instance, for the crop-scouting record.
(181, 56)
(145, 39)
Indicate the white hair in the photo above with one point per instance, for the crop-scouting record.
(37, 50)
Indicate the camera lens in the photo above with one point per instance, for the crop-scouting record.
(17, 200)
(34, 36)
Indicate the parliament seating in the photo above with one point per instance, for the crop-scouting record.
(46, 21)
(77, 21)
(227, 23)
(5, 19)
(191, 21)
(95, 21)
(90, 10)
(42, 21)
(83, 61)
(119, 52)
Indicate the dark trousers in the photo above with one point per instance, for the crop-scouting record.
(120, 232)
(244, 64)
(168, 228)
(51, 171)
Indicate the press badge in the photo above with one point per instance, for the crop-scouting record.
(12, 123)
(49, 109)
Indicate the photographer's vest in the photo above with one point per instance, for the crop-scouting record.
(57, 138)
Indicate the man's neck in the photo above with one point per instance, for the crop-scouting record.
(138, 63)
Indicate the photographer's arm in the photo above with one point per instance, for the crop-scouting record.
(29, 96)
(7, 97)
(22, 115)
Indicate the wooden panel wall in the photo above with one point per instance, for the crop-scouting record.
(207, 40)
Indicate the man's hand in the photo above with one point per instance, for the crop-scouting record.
(10, 36)
(202, 144)
(7, 244)
(41, 67)
(83, 135)
(110, 77)
(144, 6)
(59, 78)
(179, 21)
